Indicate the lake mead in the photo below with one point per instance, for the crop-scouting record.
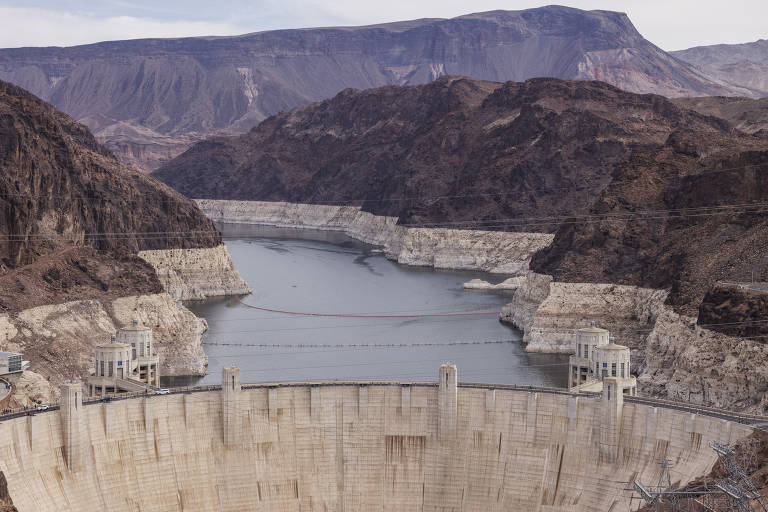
(329, 273)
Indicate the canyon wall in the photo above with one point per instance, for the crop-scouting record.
(549, 312)
(195, 274)
(363, 447)
(674, 357)
(490, 251)
(59, 339)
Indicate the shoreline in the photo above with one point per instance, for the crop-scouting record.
(675, 358)
(490, 251)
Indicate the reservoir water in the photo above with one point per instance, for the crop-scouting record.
(329, 273)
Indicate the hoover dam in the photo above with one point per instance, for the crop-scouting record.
(353, 446)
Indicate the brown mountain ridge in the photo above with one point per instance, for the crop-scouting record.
(543, 155)
(150, 99)
(73, 217)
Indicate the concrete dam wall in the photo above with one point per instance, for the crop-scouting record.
(350, 447)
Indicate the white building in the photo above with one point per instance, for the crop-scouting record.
(612, 360)
(596, 357)
(11, 362)
(126, 363)
(146, 363)
(581, 364)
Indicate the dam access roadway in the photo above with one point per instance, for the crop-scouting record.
(354, 445)
(403, 333)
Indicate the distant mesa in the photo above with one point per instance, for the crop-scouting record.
(148, 100)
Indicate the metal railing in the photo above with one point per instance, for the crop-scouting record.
(743, 418)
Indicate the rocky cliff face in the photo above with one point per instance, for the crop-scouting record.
(683, 217)
(673, 357)
(148, 98)
(58, 184)
(490, 251)
(736, 65)
(59, 338)
(194, 274)
(453, 151)
(72, 223)
(745, 114)
(581, 159)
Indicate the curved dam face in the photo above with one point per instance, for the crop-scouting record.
(350, 447)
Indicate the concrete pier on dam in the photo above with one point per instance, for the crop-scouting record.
(352, 446)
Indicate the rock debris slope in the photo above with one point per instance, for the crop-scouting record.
(736, 65)
(150, 99)
(746, 114)
(72, 223)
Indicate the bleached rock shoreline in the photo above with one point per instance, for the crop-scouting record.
(512, 283)
(59, 339)
(490, 251)
(195, 274)
(675, 358)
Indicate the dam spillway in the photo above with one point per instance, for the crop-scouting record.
(351, 446)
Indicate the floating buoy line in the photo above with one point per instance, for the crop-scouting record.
(368, 315)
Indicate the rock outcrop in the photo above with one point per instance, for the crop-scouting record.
(452, 153)
(491, 251)
(745, 114)
(673, 356)
(195, 274)
(147, 98)
(59, 338)
(735, 65)
(72, 222)
(31, 388)
(59, 185)
(512, 283)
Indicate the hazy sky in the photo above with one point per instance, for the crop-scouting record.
(671, 24)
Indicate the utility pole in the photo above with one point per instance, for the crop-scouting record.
(735, 492)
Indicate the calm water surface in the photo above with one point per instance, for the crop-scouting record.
(326, 272)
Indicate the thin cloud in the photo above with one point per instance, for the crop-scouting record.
(670, 25)
(41, 27)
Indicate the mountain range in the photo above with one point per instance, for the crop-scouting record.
(72, 217)
(581, 159)
(148, 100)
(740, 65)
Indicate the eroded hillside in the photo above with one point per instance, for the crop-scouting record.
(150, 99)
(72, 222)
(581, 159)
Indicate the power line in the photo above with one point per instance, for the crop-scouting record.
(577, 186)
(337, 326)
(752, 208)
(357, 346)
(526, 222)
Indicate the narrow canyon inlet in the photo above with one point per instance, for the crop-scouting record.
(401, 337)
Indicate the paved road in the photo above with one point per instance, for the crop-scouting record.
(759, 422)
